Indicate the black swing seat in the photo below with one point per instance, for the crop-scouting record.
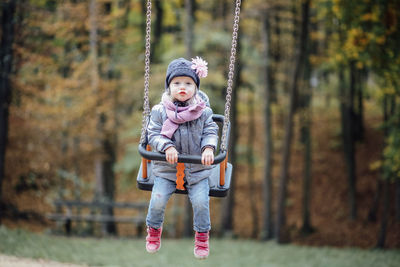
(216, 189)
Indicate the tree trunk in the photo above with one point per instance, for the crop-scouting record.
(349, 148)
(397, 200)
(189, 8)
(269, 83)
(347, 121)
(372, 214)
(109, 145)
(280, 230)
(6, 61)
(389, 111)
(250, 164)
(385, 214)
(143, 21)
(305, 129)
(93, 40)
(277, 51)
(360, 77)
(189, 27)
(221, 10)
(110, 139)
(62, 181)
(62, 176)
(349, 141)
(228, 202)
(102, 157)
(77, 181)
(397, 182)
(159, 10)
(94, 79)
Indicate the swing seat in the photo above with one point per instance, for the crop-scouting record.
(219, 180)
(216, 190)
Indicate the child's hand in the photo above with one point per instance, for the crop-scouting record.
(171, 155)
(207, 157)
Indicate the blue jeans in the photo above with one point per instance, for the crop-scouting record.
(198, 195)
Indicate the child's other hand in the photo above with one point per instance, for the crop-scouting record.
(207, 157)
(171, 155)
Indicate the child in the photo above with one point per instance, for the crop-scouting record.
(182, 124)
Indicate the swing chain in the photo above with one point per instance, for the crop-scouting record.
(146, 104)
(230, 76)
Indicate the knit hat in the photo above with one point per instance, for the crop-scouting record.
(195, 69)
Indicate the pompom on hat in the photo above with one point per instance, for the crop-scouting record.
(195, 69)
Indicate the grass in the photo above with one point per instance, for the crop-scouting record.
(131, 252)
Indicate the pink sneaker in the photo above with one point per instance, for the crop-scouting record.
(201, 247)
(153, 239)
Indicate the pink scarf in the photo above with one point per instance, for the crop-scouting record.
(179, 115)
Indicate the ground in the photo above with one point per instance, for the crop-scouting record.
(11, 261)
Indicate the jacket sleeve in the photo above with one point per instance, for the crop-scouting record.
(158, 141)
(210, 131)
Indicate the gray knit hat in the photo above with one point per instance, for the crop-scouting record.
(181, 67)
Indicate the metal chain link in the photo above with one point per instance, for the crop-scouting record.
(230, 76)
(146, 104)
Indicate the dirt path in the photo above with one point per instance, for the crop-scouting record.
(12, 261)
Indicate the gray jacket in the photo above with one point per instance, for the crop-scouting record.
(189, 139)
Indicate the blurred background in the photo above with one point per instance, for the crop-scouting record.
(315, 114)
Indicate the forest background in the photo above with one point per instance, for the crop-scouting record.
(315, 114)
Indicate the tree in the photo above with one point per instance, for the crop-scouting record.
(251, 162)
(390, 155)
(101, 188)
(306, 140)
(347, 115)
(368, 39)
(6, 62)
(159, 10)
(267, 230)
(280, 231)
(228, 203)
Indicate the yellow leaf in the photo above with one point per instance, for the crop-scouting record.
(376, 165)
(380, 40)
(336, 10)
(339, 57)
(366, 17)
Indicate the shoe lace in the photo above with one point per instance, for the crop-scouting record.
(154, 235)
(201, 241)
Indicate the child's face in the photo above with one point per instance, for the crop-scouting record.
(182, 88)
